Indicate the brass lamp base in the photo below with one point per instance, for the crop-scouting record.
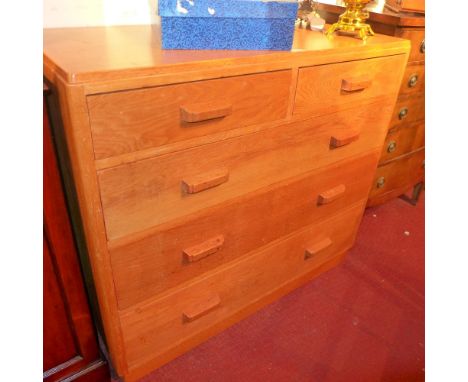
(353, 20)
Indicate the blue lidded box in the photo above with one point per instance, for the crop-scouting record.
(228, 24)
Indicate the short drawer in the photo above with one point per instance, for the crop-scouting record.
(399, 174)
(144, 194)
(408, 109)
(129, 121)
(176, 252)
(418, 45)
(327, 88)
(413, 80)
(192, 312)
(402, 140)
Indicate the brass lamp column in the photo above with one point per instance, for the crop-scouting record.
(353, 20)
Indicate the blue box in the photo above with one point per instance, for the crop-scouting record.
(228, 24)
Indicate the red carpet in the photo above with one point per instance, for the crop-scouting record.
(362, 321)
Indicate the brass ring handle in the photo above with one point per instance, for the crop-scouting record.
(413, 81)
(380, 182)
(403, 113)
(422, 47)
(391, 147)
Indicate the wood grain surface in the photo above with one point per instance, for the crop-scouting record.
(320, 88)
(127, 56)
(131, 194)
(416, 36)
(403, 139)
(408, 86)
(152, 328)
(123, 122)
(148, 264)
(400, 174)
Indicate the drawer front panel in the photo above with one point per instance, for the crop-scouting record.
(400, 173)
(124, 122)
(219, 235)
(328, 88)
(417, 37)
(144, 194)
(407, 5)
(402, 140)
(408, 109)
(413, 80)
(153, 328)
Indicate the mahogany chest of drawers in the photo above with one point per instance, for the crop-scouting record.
(211, 182)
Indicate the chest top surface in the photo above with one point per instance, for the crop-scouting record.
(93, 54)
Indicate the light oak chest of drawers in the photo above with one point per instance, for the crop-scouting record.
(209, 182)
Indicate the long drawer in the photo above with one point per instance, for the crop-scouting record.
(124, 122)
(189, 247)
(398, 174)
(328, 88)
(158, 326)
(408, 109)
(414, 80)
(402, 140)
(143, 194)
(418, 46)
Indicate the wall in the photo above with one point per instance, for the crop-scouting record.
(73, 13)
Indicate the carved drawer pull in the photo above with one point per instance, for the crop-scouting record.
(207, 248)
(343, 139)
(318, 247)
(355, 84)
(331, 195)
(201, 308)
(203, 111)
(202, 182)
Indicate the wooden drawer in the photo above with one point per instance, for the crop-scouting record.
(399, 174)
(417, 6)
(417, 37)
(328, 88)
(402, 140)
(181, 250)
(124, 122)
(408, 109)
(192, 312)
(413, 80)
(150, 192)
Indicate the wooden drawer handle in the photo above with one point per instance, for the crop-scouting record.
(207, 248)
(343, 139)
(201, 308)
(202, 182)
(318, 247)
(355, 84)
(203, 111)
(331, 195)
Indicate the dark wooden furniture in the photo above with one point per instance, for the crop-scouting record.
(70, 349)
(416, 6)
(401, 164)
(213, 182)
